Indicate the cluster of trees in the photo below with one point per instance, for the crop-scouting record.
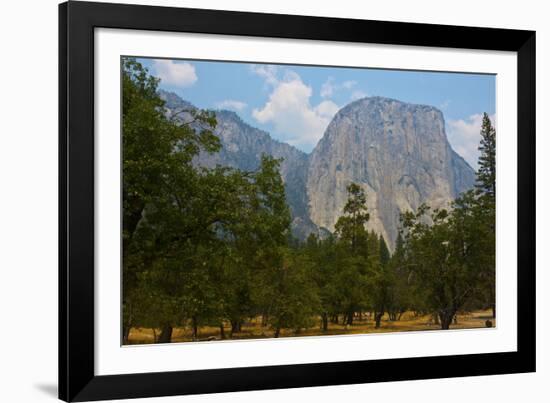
(213, 246)
(452, 252)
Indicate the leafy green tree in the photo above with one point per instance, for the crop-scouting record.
(270, 229)
(158, 177)
(445, 255)
(297, 299)
(400, 289)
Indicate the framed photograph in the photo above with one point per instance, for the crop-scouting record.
(257, 201)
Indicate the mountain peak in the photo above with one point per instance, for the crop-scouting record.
(174, 102)
(396, 151)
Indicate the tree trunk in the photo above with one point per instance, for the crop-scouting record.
(446, 318)
(265, 319)
(378, 318)
(277, 331)
(350, 318)
(235, 326)
(324, 322)
(194, 324)
(165, 334)
(125, 334)
(222, 332)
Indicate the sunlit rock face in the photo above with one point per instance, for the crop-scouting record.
(398, 153)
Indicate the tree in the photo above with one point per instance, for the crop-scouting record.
(486, 174)
(350, 227)
(297, 300)
(158, 177)
(352, 253)
(269, 231)
(322, 253)
(445, 256)
(381, 277)
(486, 193)
(384, 251)
(400, 287)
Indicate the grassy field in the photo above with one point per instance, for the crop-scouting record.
(254, 330)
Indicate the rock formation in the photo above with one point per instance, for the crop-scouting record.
(398, 153)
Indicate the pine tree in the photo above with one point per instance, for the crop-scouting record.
(384, 252)
(351, 226)
(486, 173)
(486, 187)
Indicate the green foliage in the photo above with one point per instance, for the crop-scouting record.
(486, 203)
(451, 258)
(350, 227)
(295, 301)
(384, 252)
(400, 295)
(486, 174)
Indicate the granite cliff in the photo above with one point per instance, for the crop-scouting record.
(397, 152)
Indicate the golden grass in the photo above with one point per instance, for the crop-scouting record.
(254, 330)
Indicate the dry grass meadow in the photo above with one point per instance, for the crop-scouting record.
(254, 330)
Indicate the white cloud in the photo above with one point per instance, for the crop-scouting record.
(349, 84)
(445, 104)
(329, 87)
(231, 104)
(175, 74)
(327, 108)
(357, 94)
(463, 134)
(289, 108)
(267, 71)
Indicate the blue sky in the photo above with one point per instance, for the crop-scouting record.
(296, 103)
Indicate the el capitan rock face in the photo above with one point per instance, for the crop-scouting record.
(397, 152)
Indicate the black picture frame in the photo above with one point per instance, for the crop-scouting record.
(77, 379)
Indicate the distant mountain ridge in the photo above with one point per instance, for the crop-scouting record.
(242, 148)
(398, 153)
